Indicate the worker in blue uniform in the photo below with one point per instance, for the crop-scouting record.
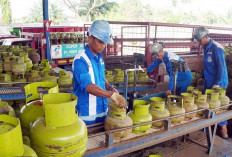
(90, 85)
(183, 78)
(215, 70)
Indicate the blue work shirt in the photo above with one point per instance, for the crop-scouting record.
(91, 109)
(183, 78)
(215, 70)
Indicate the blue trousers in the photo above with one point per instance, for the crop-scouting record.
(182, 86)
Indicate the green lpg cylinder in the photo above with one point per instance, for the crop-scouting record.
(6, 109)
(196, 93)
(175, 107)
(6, 78)
(27, 61)
(34, 76)
(60, 132)
(116, 119)
(109, 76)
(213, 99)
(225, 100)
(158, 111)
(142, 76)
(48, 76)
(11, 138)
(7, 64)
(131, 75)
(190, 89)
(140, 114)
(119, 75)
(18, 66)
(64, 78)
(189, 105)
(34, 106)
(117, 112)
(201, 102)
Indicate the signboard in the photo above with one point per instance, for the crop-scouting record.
(66, 50)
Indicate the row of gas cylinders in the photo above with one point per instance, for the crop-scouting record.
(64, 78)
(40, 73)
(17, 59)
(119, 76)
(49, 123)
(21, 64)
(157, 108)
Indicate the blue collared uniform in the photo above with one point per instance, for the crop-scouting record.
(215, 70)
(183, 78)
(88, 69)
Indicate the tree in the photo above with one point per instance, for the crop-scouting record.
(72, 5)
(56, 14)
(137, 12)
(87, 9)
(6, 11)
(92, 8)
(36, 14)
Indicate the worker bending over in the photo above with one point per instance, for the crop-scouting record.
(183, 78)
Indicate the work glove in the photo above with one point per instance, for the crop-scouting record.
(140, 68)
(215, 86)
(168, 92)
(119, 100)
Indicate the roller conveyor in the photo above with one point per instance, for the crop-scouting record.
(103, 143)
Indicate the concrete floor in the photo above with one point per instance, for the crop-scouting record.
(177, 148)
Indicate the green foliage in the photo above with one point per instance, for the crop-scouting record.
(90, 9)
(6, 11)
(129, 11)
(136, 11)
(56, 14)
(36, 14)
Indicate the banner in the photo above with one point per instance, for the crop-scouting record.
(66, 50)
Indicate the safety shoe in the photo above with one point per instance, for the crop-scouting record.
(223, 131)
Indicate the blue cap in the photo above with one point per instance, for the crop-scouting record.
(100, 29)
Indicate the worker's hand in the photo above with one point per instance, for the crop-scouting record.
(144, 69)
(119, 100)
(215, 86)
(200, 82)
(168, 92)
